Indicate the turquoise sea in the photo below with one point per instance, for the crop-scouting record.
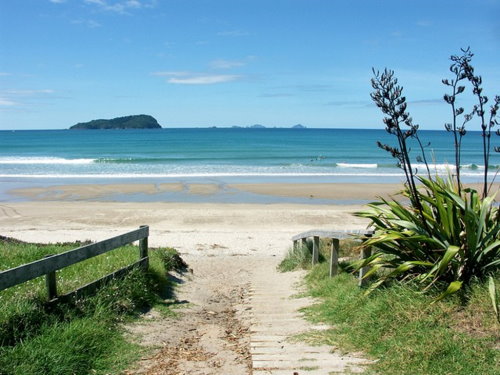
(225, 155)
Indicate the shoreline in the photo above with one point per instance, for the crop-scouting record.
(314, 193)
(212, 192)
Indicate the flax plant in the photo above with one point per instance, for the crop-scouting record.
(388, 96)
(460, 69)
(447, 235)
(486, 124)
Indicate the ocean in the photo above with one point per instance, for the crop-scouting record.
(42, 157)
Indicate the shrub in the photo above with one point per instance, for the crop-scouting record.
(461, 242)
(447, 235)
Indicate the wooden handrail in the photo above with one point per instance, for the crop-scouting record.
(50, 264)
(335, 235)
(339, 234)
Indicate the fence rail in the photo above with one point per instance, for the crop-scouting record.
(336, 236)
(50, 264)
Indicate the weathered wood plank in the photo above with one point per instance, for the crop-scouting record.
(143, 249)
(51, 283)
(90, 288)
(53, 263)
(340, 234)
(315, 253)
(334, 257)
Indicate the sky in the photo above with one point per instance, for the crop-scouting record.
(201, 63)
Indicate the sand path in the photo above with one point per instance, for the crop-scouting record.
(236, 314)
(240, 317)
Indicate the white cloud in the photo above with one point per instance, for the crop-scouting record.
(204, 80)
(28, 92)
(5, 102)
(133, 4)
(225, 64)
(188, 78)
(5, 74)
(161, 74)
(57, 1)
(234, 33)
(22, 99)
(89, 23)
(96, 2)
(121, 6)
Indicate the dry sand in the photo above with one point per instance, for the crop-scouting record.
(191, 228)
(337, 191)
(63, 213)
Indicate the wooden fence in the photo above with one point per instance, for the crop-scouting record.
(50, 264)
(335, 236)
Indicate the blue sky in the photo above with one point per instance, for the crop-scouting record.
(193, 63)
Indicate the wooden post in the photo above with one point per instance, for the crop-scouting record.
(51, 283)
(334, 257)
(295, 244)
(315, 254)
(365, 253)
(304, 242)
(143, 249)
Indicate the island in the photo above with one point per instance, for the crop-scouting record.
(126, 122)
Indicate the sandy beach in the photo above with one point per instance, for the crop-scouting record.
(191, 228)
(63, 213)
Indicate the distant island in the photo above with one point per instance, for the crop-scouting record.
(126, 122)
(259, 126)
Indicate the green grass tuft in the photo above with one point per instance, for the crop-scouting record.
(82, 336)
(402, 329)
(297, 258)
(80, 346)
(301, 256)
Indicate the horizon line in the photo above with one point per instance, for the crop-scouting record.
(236, 127)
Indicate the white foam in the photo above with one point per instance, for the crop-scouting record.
(43, 160)
(448, 167)
(351, 165)
(189, 175)
(435, 167)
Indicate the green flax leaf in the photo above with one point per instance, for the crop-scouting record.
(493, 296)
(452, 288)
(447, 257)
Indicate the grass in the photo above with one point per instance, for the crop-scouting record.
(82, 336)
(301, 256)
(401, 329)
